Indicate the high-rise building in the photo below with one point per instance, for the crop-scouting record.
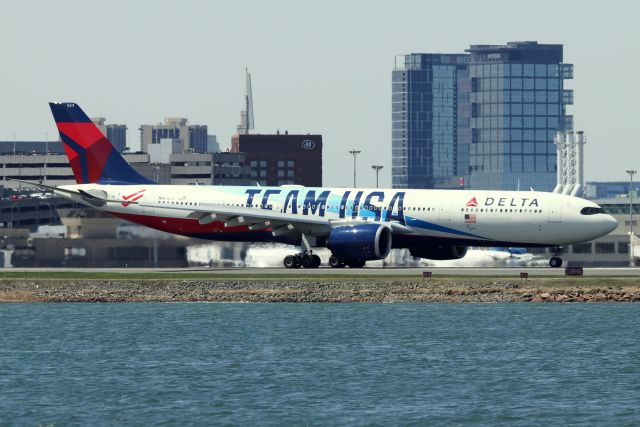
(192, 137)
(212, 144)
(485, 120)
(198, 138)
(518, 103)
(117, 135)
(173, 128)
(281, 159)
(430, 96)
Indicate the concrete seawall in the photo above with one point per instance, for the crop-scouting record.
(304, 290)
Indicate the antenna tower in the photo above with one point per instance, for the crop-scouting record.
(246, 115)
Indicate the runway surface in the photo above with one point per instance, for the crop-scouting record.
(372, 271)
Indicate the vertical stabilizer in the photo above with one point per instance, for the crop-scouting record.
(92, 157)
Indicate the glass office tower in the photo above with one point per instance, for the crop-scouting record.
(431, 114)
(518, 102)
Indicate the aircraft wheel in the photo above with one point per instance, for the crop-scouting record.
(335, 262)
(555, 262)
(290, 261)
(307, 261)
(316, 261)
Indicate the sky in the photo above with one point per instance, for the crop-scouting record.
(317, 67)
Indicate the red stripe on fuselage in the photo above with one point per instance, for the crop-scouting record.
(184, 226)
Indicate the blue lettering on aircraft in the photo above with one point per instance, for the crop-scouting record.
(251, 192)
(373, 205)
(265, 198)
(513, 202)
(343, 204)
(292, 198)
(356, 204)
(397, 199)
(313, 204)
(377, 210)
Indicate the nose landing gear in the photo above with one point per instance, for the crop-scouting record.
(556, 261)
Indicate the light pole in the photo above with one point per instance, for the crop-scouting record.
(377, 169)
(14, 143)
(354, 153)
(46, 149)
(632, 260)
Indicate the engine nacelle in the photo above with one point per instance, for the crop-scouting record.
(439, 253)
(362, 242)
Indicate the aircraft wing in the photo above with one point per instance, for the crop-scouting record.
(281, 223)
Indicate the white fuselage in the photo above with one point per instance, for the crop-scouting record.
(473, 217)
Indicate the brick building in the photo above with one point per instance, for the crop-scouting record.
(282, 159)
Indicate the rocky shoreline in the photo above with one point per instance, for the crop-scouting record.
(305, 290)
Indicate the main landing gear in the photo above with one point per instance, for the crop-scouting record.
(336, 262)
(306, 260)
(556, 261)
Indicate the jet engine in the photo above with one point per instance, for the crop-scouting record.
(362, 242)
(439, 253)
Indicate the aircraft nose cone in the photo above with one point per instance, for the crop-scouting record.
(610, 224)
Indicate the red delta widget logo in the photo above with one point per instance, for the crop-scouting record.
(472, 203)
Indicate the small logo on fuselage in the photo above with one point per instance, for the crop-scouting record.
(513, 202)
(133, 197)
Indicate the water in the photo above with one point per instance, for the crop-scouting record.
(319, 364)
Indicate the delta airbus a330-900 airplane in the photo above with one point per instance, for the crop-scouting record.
(355, 224)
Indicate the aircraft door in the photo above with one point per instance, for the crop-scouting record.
(444, 211)
(555, 211)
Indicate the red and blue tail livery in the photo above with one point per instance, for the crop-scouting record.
(92, 157)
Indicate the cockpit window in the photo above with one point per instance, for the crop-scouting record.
(591, 211)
